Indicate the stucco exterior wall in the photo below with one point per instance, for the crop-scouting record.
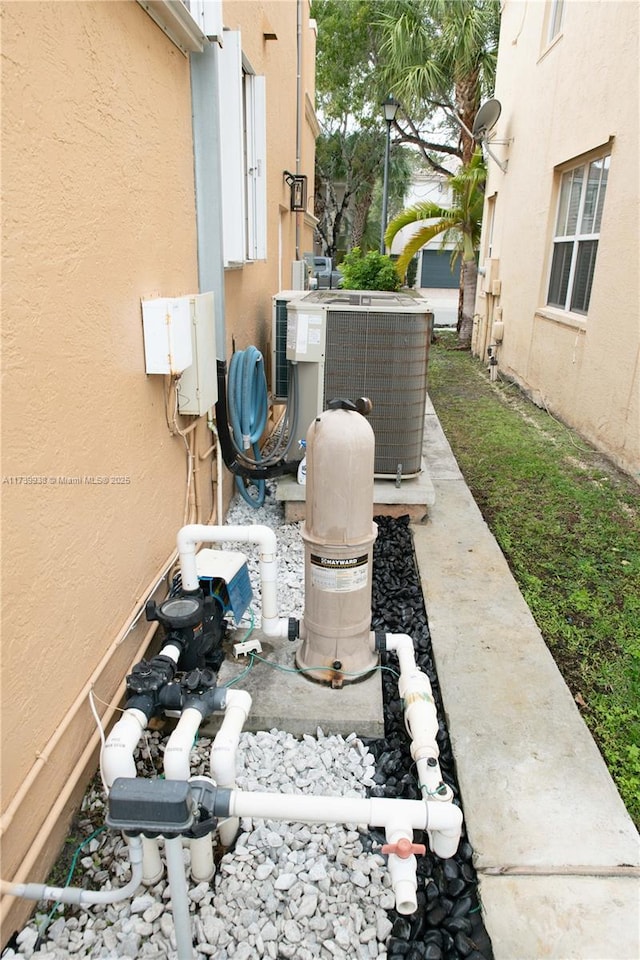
(99, 212)
(561, 102)
(269, 40)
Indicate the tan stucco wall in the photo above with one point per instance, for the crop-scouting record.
(248, 291)
(558, 103)
(98, 212)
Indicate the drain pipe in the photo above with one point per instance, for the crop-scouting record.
(421, 722)
(78, 895)
(190, 535)
(177, 877)
(223, 754)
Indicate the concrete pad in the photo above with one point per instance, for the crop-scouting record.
(535, 788)
(586, 918)
(284, 698)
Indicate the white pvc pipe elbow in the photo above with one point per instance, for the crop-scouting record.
(116, 757)
(224, 749)
(194, 533)
(177, 754)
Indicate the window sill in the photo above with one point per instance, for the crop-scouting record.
(549, 47)
(574, 320)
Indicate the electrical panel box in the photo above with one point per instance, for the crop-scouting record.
(198, 386)
(306, 333)
(166, 324)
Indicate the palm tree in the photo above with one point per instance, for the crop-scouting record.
(441, 54)
(461, 223)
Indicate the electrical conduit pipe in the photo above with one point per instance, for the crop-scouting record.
(78, 895)
(190, 535)
(223, 754)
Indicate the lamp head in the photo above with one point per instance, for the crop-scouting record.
(390, 107)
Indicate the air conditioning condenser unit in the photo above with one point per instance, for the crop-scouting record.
(350, 344)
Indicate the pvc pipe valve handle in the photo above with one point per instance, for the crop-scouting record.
(404, 848)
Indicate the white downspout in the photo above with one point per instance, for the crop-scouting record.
(223, 754)
(194, 533)
(177, 766)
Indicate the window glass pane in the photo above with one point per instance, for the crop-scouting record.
(603, 189)
(591, 197)
(584, 275)
(563, 206)
(574, 202)
(555, 19)
(560, 268)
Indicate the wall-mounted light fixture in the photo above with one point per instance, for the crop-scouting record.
(298, 185)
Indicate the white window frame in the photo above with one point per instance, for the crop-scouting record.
(578, 177)
(242, 102)
(556, 17)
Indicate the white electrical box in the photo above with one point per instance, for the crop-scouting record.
(166, 326)
(198, 386)
(306, 332)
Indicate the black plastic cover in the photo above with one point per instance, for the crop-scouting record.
(142, 805)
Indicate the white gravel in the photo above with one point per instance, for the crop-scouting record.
(286, 889)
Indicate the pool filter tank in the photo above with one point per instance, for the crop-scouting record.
(338, 535)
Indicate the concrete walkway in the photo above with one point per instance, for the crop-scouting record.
(557, 855)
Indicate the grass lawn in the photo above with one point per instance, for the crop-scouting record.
(568, 523)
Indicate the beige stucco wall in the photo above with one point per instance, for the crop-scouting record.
(559, 102)
(249, 290)
(99, 213)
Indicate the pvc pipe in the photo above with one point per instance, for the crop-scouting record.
(33, 857)
(78, 895)
(187, 538)
(116, 757)
(179, 897)
(399, 818)
(421, 717)
(223, 754)
(177, 766)
(402, 871)
(177, 753)
(116, 760)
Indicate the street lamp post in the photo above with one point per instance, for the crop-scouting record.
(390, 107)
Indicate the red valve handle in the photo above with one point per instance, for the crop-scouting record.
(404, 848)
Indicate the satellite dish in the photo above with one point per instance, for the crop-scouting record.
(486, 119)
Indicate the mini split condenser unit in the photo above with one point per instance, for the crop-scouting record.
(348, 343)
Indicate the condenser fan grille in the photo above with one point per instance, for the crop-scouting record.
(383, 356)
